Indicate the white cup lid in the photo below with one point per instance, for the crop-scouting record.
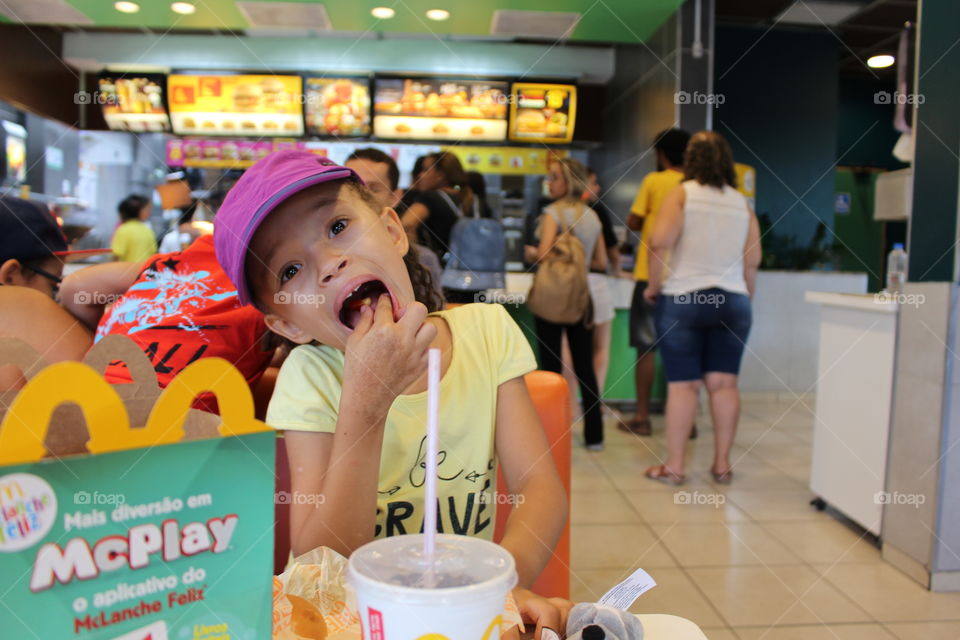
(463, 567)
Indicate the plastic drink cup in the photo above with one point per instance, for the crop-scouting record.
(392, 581)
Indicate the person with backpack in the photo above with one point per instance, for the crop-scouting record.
(478, 251)
(446, 197)
(570, 244)
(477, 260)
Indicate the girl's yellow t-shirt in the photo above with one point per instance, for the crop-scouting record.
(488, 350)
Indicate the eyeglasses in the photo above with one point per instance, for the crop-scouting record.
(56, 280)
(46, 274)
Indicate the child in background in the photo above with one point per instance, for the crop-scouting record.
(332, 270)
(133, 241)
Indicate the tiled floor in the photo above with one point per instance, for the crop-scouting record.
(750, 561)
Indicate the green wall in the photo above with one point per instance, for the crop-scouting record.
(858, 237)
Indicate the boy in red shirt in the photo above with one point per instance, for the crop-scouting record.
(178, 307)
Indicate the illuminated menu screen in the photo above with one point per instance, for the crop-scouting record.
(542, 112)
(338, 107)
(15, 153)
(439, 109)
(133, 102)
(241, 105)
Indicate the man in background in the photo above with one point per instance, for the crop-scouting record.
(669, 146)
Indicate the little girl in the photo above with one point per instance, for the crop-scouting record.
(306, 242)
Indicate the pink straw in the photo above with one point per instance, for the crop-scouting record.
(433, 436)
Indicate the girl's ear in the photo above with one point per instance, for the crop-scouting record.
(395, 229)
(286, 329)
(11, 273)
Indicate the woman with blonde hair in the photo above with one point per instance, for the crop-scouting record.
(567, 179)
(702, 311)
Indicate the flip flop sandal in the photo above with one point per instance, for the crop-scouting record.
(660, 473)
(722, 478)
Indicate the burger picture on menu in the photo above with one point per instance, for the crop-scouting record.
(247, 97)
(531, 121)
(273, 93)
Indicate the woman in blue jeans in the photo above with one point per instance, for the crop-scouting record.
(703, 258)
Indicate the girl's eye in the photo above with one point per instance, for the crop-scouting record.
(337, 227)
(288, 272)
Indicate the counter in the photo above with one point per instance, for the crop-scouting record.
(781, 350)
(854, 390)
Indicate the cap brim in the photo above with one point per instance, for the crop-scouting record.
(82, 252)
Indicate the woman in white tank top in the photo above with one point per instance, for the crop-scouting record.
(703, 259)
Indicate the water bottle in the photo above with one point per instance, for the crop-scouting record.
(896, 268)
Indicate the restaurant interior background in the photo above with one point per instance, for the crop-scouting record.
(784, 81)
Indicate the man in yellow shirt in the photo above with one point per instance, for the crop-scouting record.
(133, 241)
(669, 147)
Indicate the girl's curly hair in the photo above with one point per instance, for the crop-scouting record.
(422, 281)
(709, 160)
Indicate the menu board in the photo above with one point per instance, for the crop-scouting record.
(542, 112)
(238, 105)
(438, 109)
(338, 107)
(133, 102)
(231, 154)
(15, 153)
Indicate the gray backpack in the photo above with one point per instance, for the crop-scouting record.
(477, 260)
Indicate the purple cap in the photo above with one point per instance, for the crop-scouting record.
(261, 189)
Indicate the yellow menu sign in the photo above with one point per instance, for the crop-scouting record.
(506, 161)
(747, 181)
(249, 105)
(542, 112)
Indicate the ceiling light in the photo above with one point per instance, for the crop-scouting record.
(438, 14)
(183, 8)
(126, 7)
(880, 62)
(383, 13)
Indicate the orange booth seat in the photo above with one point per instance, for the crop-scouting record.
(549, 393)
(550, 396)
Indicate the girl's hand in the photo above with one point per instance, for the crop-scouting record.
(543, 612)
(531, 253)
(386, 357)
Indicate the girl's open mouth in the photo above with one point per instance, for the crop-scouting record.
(366, 294)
